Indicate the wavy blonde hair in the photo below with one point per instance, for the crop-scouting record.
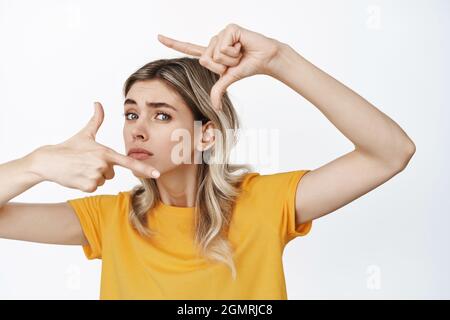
(218, 181)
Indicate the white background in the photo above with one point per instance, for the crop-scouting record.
(57, 57)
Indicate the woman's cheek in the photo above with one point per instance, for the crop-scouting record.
(179, 153)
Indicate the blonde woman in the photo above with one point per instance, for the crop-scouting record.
(198, 227)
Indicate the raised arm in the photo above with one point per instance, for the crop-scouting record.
(382, 148)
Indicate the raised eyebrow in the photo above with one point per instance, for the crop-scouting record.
(152, 104)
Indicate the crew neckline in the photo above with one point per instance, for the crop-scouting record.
(172, 210)
(169, 209)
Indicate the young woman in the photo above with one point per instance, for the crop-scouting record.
(199, 228)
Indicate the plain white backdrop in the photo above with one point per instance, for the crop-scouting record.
(57, 57)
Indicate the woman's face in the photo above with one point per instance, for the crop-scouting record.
(157, 127)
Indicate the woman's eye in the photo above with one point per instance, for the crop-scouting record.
(164, 114)
(126, 115)
(168, 117)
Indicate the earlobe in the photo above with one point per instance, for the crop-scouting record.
(208, 147)
(199, 147)
(207, 140)
(204, 145)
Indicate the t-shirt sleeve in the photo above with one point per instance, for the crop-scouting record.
(289, 212)
(93, 212)
(275, 196)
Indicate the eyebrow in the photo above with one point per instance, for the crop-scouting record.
(151, 104)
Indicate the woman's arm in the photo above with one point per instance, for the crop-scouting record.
(16, 177)
(54, 223)
(382, 148)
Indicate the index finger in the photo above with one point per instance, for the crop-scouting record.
(185, 47)
(132, 164)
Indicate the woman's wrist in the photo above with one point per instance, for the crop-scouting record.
(33, 166)
(282, 60)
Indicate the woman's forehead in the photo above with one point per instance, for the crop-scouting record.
(155, 92)
(154, 89)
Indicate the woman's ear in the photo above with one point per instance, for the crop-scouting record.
(207, 138)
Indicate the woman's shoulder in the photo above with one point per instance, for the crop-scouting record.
(248, 178)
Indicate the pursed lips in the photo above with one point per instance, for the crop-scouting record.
(139, 151)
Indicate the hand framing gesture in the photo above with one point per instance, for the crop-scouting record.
(234, 53)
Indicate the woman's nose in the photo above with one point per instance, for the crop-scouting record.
(139, 133)
(139, 129)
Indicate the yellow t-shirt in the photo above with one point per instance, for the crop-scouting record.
(168, 266)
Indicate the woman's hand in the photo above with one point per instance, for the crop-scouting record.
(82, 163)
(235, 53)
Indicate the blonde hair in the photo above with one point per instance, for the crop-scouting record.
(218, 181)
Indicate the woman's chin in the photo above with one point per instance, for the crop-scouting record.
(140, 176)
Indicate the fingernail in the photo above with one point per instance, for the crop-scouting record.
(155, 174)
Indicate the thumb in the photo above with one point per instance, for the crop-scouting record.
(221, 85)
(95, 122)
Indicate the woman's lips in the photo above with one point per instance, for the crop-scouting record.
(139, 155)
